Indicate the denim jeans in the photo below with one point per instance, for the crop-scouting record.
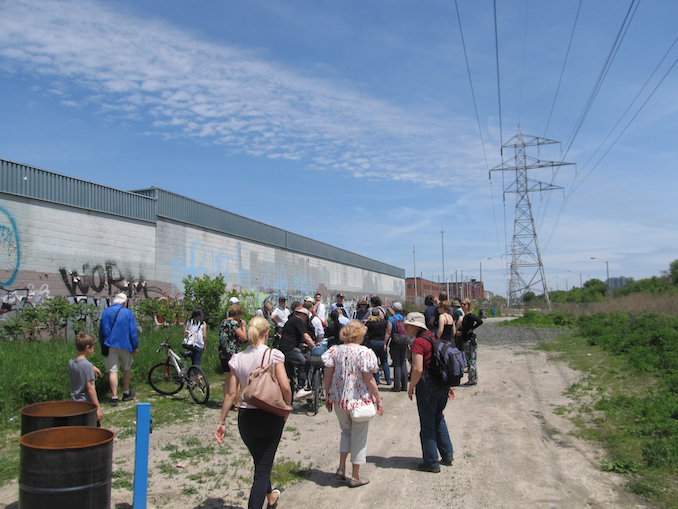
(295, 359)
(196, 355)
(431, 401)
(399, 358)
(377, 346)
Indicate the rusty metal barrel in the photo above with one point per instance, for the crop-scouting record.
(67, 467)
(52, 414)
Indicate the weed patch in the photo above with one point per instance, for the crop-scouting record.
(627, 398)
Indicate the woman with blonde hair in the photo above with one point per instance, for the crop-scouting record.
(350, 383)
(260, 430)
(446, 326)
(469, 324)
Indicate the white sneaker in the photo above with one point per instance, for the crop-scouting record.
(302, 393)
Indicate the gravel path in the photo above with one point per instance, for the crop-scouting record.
(491, 333)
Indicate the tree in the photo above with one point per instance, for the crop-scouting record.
(528, 297)
(205, 293)
(673, 272)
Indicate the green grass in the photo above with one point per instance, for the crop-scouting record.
(625, 406)
(123, 480)
(286, 471)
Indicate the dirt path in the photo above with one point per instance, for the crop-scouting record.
(512, 450)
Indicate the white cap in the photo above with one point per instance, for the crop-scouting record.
(234, 300)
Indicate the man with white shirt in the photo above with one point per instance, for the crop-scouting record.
(320, 309)
(280, 314)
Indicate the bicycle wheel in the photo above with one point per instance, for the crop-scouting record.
(164, 379)
(318, 389)
(198, 385)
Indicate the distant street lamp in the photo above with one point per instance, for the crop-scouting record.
(566, 288)
(581, 285)
(481, 275)
(607, 267)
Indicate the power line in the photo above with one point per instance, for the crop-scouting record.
(603, 73)
(475, 108)
(625, 128)
(496, 48)
(470, 80)
(522, 72)
(632, 102)
(562, 71)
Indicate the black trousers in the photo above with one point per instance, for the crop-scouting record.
(261, 433)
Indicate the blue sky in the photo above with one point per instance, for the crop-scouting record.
(353, 123)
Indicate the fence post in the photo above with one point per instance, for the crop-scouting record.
(141, 455)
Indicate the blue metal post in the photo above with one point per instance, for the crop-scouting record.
(141, 455)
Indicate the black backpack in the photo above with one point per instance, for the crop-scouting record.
(447, 363)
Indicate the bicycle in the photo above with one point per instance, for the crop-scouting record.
(317, 384)
(169, 377)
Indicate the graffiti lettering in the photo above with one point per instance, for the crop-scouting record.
(107, 279)
(10, 252)
(198, 262)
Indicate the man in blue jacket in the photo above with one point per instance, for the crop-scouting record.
(118, 331)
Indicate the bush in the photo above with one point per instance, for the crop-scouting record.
(205, 293)
(55, 316)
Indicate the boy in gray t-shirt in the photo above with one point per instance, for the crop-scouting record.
(82, 373)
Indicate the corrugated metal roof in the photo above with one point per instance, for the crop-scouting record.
(21, 180)
(149, 204)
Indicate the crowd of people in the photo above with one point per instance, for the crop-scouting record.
(354, 347)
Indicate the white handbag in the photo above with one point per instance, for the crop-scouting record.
(363, 413)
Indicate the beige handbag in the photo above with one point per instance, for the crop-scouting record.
(263, 390)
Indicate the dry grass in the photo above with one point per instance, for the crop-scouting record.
(634, 303)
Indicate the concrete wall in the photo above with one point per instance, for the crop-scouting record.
(50, 249)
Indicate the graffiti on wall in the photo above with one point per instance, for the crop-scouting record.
(107, 278)
(200, 260)
(13, 301)
(10, 250)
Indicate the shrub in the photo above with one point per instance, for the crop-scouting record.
(205, 293)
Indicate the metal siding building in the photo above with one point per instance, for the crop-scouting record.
(70, 236)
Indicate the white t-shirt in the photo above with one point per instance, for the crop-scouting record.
(321, 311)
(281, 316)
(318, 327)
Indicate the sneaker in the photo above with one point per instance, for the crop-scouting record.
(302, 393)
(113, 402)
(469, 384)
(129, 396)
(425, 468)
(447, 461)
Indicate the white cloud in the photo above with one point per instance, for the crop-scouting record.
(183, 86)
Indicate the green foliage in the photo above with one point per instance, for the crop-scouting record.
(33, 372)
(528, 297)
(535, 319)
(619, 467)
(652, 285)
(629, 395)
(673, 272)
(51, 316)
(205, 293)
(166, 310)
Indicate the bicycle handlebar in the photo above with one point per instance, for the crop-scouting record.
(163, 345)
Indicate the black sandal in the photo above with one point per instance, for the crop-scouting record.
(274, 504)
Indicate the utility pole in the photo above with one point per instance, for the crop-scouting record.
(414, 259)
(442, 240)
(527, 268)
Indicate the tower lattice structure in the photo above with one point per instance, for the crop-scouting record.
(526, 269)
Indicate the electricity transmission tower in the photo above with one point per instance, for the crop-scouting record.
(527, 269)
